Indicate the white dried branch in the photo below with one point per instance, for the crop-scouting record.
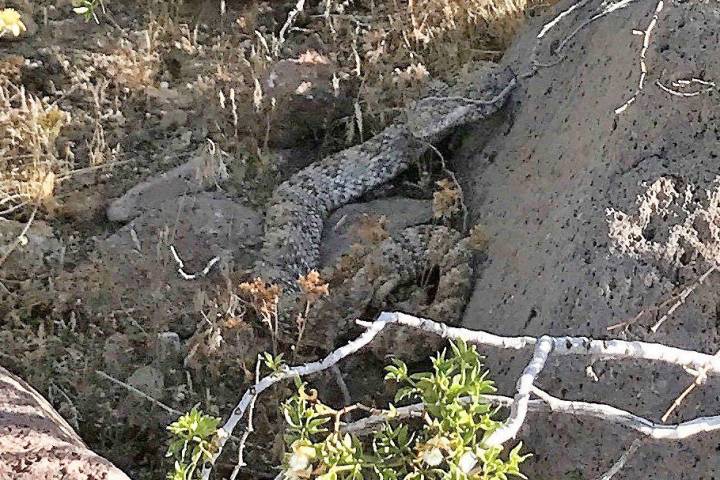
(192, 276)
(648, 428)
(551, 24)
(700, 377)
(300, 371)
(709, 87)
(643, 52)
(544, 346)
(583, 346)
(249, 429)
(299, 6)
(519, 408)
(550, 404)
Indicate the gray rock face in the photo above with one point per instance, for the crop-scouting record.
(37, 443)
(542, 185)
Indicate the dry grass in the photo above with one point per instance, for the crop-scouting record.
(29, 161)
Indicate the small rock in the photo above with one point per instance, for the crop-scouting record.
(168, 349)
(115, 353)
(194, 176)
(148, 380)
(340, 231)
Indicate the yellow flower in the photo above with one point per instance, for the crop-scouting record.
(10, 22)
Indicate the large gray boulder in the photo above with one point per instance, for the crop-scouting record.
(37, 443)
(541, 186)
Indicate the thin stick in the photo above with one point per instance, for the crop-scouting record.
(192, 276)
(20, 237)
(620, 463)
(139, 393)
(700, 378)
(241, 448)
(551, 24)
(332, 359)
(677, 298)
(299, 6)
(683, 297)
(643, 51)
(347, 398)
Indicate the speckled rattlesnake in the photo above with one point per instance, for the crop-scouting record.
(301, 205)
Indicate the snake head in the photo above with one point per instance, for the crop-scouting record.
(475, 96)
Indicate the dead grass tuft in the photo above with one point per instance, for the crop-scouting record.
(29, 161)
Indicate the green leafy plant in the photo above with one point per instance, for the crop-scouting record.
(274, 363)
(87, 9)
(194, 443)
(448, 445)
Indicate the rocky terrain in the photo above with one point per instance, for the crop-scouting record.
(94, 286)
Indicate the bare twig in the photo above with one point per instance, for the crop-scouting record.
(20, 238)
(674, 301)
(551, 24)
(249, 429)
(299, 6)
(332, 359)
(700, 377)
(347, 398)
(683, 297)
(709, 87)
(620, 463)
(192, 276)
(139, 393)
(643, 51)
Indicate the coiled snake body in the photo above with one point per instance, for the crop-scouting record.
(300, 206)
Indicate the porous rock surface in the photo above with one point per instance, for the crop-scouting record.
(37, 443)
(541, 188)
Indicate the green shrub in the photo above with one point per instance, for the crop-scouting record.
(447, 445)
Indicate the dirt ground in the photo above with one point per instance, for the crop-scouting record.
(96, 287)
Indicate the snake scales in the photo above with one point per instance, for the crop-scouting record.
(300, 206)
